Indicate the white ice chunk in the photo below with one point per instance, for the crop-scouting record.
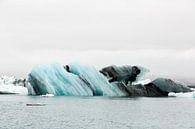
(187, 95)
(12, 89)
(48, 95)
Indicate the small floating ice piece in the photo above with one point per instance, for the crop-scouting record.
(187, 94)
(48, 95)
(172, 94)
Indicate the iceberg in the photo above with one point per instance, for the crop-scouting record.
(12, 85)
(86, 80)
(83, 80)
(12, 89)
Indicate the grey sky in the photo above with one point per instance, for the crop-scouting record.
(158, 34)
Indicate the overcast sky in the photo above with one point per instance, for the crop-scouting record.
(157, 34)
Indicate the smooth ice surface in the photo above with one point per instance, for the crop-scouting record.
(96, 113)
(82, 80)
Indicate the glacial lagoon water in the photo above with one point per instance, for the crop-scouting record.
(96, 113)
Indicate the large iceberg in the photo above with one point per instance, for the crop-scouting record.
(83, 80)
(86, 80)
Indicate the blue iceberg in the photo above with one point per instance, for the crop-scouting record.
(83, 80)
(86, 80)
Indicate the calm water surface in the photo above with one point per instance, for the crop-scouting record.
(96, 113)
